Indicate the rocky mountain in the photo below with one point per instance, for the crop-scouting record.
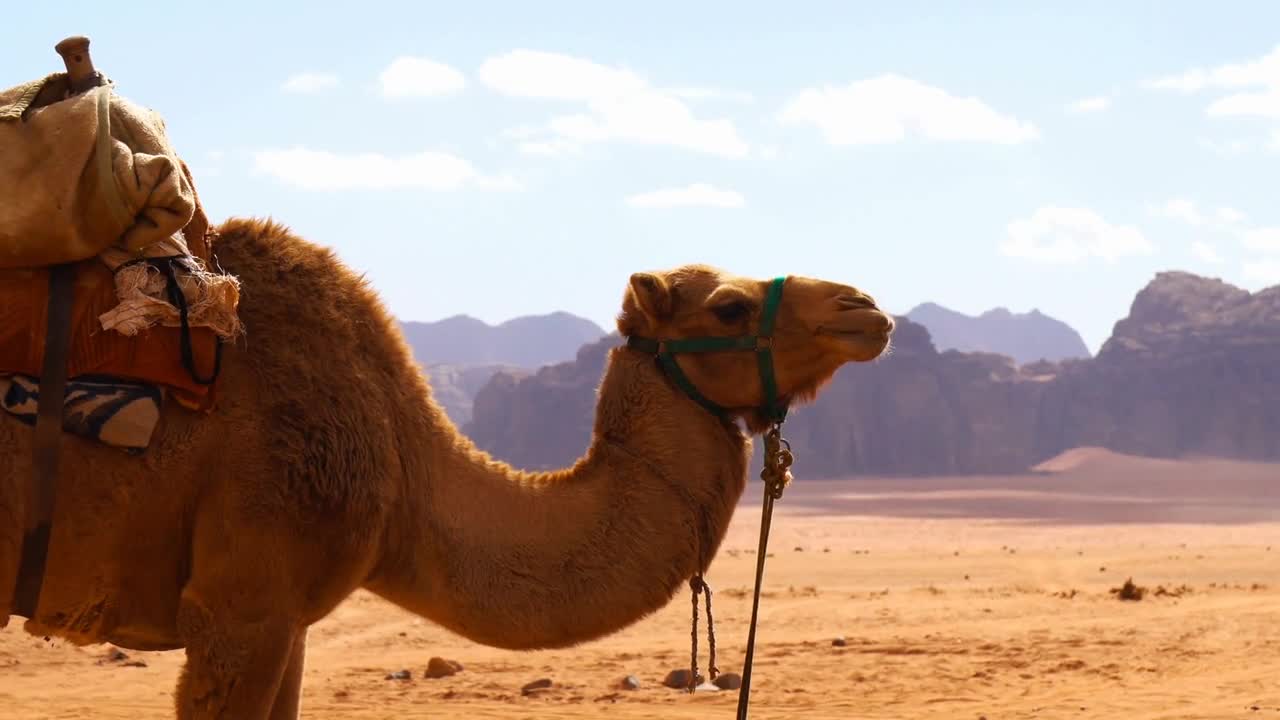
(529, 342)
(461, 353)
(455, 386)
(1194, 369)
(542, 420)
(1026, 337)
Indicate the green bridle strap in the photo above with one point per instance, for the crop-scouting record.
(764, 356)
(761, 343)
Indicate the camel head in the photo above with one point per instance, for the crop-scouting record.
(708, 323)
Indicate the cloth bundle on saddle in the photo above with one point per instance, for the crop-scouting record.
(93, 195)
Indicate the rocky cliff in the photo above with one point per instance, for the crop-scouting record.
(1193, 370)
(455, 386)
(543, 420)
(1026, 337)
(461, 353)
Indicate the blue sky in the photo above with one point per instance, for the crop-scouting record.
(502, 159)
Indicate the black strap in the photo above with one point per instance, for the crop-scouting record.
(179, 300)
(47, 439)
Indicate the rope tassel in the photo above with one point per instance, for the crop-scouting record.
(699, 585)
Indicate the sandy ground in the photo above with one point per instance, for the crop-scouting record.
(958, 598)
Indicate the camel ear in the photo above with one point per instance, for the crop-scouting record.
(652, 296)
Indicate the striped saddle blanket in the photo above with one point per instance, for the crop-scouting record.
(115, 412)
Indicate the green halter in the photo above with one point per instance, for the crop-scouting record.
(761, 343)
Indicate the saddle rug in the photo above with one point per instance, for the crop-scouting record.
(114, 412)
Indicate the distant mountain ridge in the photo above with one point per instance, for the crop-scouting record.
(1025, 337)
(1193, 370)
(461, 353)
(529, 341)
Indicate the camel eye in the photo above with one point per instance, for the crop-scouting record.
(731, 313)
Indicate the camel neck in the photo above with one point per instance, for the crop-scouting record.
(528, 560)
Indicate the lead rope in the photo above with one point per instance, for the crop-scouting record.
(776, 476)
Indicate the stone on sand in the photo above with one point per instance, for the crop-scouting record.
(728, 681)
(677, 679)
(438, 667)
(536, 686)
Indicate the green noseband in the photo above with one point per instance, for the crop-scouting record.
(761, 343)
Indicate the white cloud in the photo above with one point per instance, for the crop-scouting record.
(1253, 87)
(1264, 270)
(1090, 105)
(1260, 104)
(521, 132)
(1070, 235)
(409, 77)
(549, 147)
(322, 170)
(1266, 239)
(1230, 215)
(1206, 252)
(1275, 140)
(696, 195)
(536, 74)
(1263, 72)
(620, 105)
(700, 93)
(887, 108)
(1180, 209)
(310, 83)
(1225, 147)
(1222, 219)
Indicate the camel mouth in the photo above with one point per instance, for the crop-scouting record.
(858, 334)
(859, 344)
(845, 333)
(866, 321)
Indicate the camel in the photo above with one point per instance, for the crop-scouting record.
(327, 467)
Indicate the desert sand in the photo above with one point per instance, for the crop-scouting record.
(956, 597)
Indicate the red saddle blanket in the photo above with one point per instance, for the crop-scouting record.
(153, 355)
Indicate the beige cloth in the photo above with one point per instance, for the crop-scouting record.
(83, 173)
(212, 298)
(95, 175)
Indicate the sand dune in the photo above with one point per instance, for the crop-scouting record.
(957, 597)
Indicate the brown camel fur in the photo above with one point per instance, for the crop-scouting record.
(327, 467)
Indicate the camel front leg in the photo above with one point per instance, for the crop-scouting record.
(235, 667)
(289, 697)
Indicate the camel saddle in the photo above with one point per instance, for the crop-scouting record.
(104, 250)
